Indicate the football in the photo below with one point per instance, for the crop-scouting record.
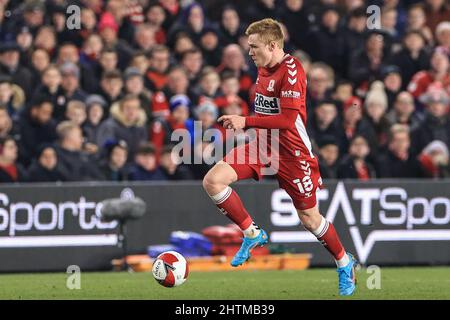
(170, 269)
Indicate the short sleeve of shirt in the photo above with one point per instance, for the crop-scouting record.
(293, 86)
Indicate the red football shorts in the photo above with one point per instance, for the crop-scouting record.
(300, 179)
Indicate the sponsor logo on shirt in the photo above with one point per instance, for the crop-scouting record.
(290, 94)
(266, 105)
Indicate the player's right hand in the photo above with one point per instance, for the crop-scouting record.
(232, 122)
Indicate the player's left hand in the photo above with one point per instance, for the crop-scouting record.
(232, 122)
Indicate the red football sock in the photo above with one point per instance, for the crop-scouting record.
(327, 235)
(231, 205)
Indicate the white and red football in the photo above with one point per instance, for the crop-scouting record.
(170, 269)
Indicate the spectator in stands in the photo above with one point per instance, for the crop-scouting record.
(91, 51)
(204, 145)
(412, 57)
(439, 72)
(88, 21)
(404, 112)
(127, 122)
(156, 75)
(7, 126)
(145, 167)
(230, 93)
(353, 35)
(230, 26)
(10, 66)
(321, 82)
(355, 164)
(376, 105)
(417, 20)
(52, 89)
(46, 168)
(436, 125)
(25, 41)
(95, 107)
(140, 61)
(76, 112)
(294, 16)
(111, 87)
(46, 39)
(354, 124)
(156, 16)
(207, 113)
(68, 53)
(40, 60)
(209, 84)
(107, 62)
(178, 83)
(388, 24)
(324, 123)
(398, 162)
(36, 127)
(12, 97)
(211, 48)
(442, 34)
(392, 81)
(436, 11)
(342, 93)
(79, 165)
(134, 84)
(183, 42)
(435, 160)
(261, 9)
(233, 60)
(328, 157)
(325, 42)
(10, 171)
(192, 21)
(108, 29)
(70, 85)
(171, 166)
(114, 166)
(144, 37)
(368, 62)
(192, 61)
(179, 119)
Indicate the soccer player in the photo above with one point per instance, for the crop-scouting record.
(279, 104)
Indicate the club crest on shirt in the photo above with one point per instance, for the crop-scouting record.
(271, 85)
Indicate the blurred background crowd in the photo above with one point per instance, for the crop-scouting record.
(101, 102)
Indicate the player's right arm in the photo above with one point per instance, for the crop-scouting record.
(284, 120)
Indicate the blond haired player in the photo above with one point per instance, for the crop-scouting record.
(279, 104)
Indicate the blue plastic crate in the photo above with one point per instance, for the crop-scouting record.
(155, 250)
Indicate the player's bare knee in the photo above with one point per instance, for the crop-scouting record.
(310, 218)
(214, 183)
(209, 183)
(218, 178)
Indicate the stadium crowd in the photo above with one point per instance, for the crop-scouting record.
(101, 102)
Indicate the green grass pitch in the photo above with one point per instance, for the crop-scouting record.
(396, 283)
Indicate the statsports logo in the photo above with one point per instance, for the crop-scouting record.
(267, 105)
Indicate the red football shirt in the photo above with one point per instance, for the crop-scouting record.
(280, 88)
